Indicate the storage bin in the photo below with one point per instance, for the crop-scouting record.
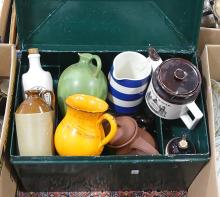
(7, 71)
(206, 183)
(60, 29)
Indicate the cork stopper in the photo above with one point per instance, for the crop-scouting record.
(183, 144)
(33, 51)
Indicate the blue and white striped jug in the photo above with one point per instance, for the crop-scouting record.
(128, 80)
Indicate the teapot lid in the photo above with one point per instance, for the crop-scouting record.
(179, 77)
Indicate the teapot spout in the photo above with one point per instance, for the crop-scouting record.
(153, 54)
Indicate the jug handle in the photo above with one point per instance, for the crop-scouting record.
(113, 130)
(52, 97)
(98, 63)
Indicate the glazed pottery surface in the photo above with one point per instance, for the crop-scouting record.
(81, 133)
(126, 132)
(35, 133)
(36, 102)
(34, 120)
(36, 77)
(174, 86)
(180, 145)
(82, 78)
(128, 79)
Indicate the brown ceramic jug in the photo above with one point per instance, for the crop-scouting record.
(34, 120)
(132, 140)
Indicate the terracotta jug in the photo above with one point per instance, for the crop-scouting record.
(82, 78)
(34, 120)
(81, 133)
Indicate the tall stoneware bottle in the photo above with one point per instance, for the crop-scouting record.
(34, 120)
(36, 77)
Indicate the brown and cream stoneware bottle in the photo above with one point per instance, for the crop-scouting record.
(35, 124)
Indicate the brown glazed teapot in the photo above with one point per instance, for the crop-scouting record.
(174, 86)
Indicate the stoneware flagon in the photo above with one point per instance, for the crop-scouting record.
(82, 78)
(81, 133)
(34, 120)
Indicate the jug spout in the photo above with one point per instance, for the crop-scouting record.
(85, 57)
(154, 58)
(86, 103)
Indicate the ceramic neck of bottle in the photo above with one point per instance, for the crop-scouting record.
(34, 62)
(32, 93)
(85, 58)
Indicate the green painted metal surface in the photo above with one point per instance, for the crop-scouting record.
(109, 25)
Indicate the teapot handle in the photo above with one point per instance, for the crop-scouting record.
(52, 97)
(113, 130)
(98, 62)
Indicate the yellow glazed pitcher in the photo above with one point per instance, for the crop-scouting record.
(81, 133)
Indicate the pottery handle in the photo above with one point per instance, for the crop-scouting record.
(98, 62)
(189, 121)
(52, 97)
(113, 130)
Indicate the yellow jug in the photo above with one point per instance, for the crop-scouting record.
(81, 133)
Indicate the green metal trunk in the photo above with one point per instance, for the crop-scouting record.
(60, 29)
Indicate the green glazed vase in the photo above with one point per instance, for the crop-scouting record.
(82, 78)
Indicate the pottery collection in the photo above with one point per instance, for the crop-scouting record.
(168, 89)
